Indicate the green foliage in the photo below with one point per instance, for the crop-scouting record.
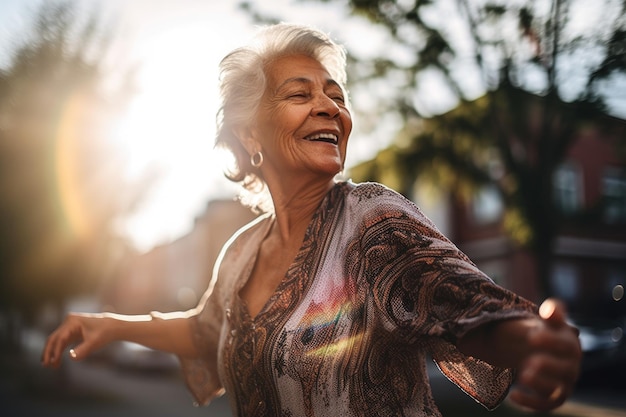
(529, 57)
(61, 186)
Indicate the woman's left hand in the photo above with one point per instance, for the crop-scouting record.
(549, 372)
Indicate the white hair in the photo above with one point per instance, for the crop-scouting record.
(243, 82)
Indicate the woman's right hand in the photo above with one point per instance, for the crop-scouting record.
(84, 332)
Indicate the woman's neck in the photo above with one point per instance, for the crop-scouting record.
(294, 209)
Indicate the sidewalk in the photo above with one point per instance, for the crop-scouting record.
(576, 409)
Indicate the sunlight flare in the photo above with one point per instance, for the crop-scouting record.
(66, 167)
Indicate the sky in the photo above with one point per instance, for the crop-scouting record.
(170, 126)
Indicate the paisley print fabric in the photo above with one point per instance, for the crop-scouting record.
(373, 291)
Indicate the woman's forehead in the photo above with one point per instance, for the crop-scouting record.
(296, 69)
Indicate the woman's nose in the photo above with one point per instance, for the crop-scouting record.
(325, 107)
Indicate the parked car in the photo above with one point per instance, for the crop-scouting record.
(603, 342)
(602, 329)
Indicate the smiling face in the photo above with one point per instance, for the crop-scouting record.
(303, 123)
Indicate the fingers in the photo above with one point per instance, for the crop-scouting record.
(81, 351)
(548, 375)
(544, 373)
(554, 312)
(557, 335)
(562, 342)
(544, 383)
(53, 350)
(68, 333)
(537, 402)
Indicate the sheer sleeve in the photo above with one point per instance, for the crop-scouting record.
(201, 373)
(207, 320)
(428, 293)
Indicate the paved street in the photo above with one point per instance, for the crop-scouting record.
(97, 388)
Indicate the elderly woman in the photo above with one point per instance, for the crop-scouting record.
(330, 302)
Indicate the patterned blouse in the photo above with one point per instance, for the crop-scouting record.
(374, 289)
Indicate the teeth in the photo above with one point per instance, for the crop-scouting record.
(323, 137)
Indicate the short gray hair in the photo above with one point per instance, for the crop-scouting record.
(243, 82)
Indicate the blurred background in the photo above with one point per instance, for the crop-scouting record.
(505, 121)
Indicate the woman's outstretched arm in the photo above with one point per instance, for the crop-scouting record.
(86, 333)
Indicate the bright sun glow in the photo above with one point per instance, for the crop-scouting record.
(170, 126)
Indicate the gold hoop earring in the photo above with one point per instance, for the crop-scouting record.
(256, 159)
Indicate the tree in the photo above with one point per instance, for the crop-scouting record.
(519, 132)
(523, 78)
(61, 186)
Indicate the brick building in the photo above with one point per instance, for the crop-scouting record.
(589, 255)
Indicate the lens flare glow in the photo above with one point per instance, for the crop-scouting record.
(67, 171)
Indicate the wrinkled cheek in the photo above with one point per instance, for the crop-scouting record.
(343, 151)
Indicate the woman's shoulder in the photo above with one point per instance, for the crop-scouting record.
(247, 232)
(373, 202)
(373, 195)
(242, 245)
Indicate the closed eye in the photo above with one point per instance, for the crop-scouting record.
(298, 95)
(336, 94)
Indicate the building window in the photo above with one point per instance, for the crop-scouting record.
(565, 281)
(568, 190)
(614, 194)
(487, 205)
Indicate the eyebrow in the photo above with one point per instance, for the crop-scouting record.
(302, 80)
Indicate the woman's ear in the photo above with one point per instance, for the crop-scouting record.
(247, 138)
